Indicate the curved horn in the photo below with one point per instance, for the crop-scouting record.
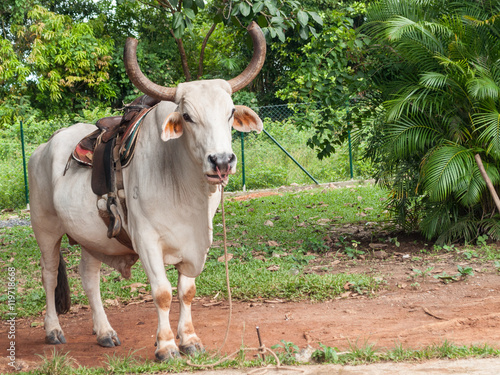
(139, 79)
(258, 58)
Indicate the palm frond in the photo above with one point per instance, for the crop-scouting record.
(412, 135)
(434, 80)
(488, 127)
(436, 218)
(465, 229)
(484, 86)
(443, 168)
(471, 188)
(491, 227)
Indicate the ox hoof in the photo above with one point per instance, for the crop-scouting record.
(55, 337)
(166, 355)
(109, 340)
(192, 349)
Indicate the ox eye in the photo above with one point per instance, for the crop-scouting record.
(232, 113)
(187, 118)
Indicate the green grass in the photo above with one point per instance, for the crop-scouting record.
(274, 257)
(62, 364)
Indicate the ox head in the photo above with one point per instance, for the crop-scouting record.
(205, 111)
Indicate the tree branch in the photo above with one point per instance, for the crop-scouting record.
(202, 52)
(182, 52)
(166, 4)
(491, 188)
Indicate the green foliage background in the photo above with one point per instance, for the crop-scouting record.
(415, 84)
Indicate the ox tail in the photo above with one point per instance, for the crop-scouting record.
(62, 292)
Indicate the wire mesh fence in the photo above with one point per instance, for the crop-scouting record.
(281, 156)
(265, 163)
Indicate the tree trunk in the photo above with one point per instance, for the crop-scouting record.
(184, 62)
(488, 181)
(202, 52)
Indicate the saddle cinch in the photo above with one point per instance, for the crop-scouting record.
(107, 150)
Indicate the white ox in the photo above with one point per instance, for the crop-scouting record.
(171, 193)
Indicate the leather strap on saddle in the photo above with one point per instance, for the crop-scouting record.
(103, 178)
(107, 151)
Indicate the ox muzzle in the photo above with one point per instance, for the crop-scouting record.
(221, 165)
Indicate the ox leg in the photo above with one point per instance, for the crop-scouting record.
(190, 343)
(161, 289)
(49, 260)
(90, 272)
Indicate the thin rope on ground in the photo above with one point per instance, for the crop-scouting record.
(262, 349)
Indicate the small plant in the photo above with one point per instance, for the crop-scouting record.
(449, 248)
(325, 354)
(469, 254)
(59, 364)
(464, 272)
(481, 240)
(341, 242)
(445, 278)
(415, 285)
(289, 350)
(316, 246)
(424, 273)
(117, 364)
(352, 251)
(497, 265)
(394, 240)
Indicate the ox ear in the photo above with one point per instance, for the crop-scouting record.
(172, 127)
(246, 120)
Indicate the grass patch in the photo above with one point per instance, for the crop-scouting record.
(268, 261)
(62, 364)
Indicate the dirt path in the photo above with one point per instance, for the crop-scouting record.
(466, 312)
(412, 309)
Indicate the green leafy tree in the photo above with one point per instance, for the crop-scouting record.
(65, 67)
(273, 16)
(329, 73)
(442, 107)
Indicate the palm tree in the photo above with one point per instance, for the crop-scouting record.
(441, 111)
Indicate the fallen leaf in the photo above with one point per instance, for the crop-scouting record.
(348, 285)
(273, 268)
(269, 223)
(272, 243)
(133, 287)
(111, 302)
(222, 257)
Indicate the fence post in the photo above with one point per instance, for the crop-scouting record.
(242, 136)
(26, 195)
(350, 154)
(349, 140)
